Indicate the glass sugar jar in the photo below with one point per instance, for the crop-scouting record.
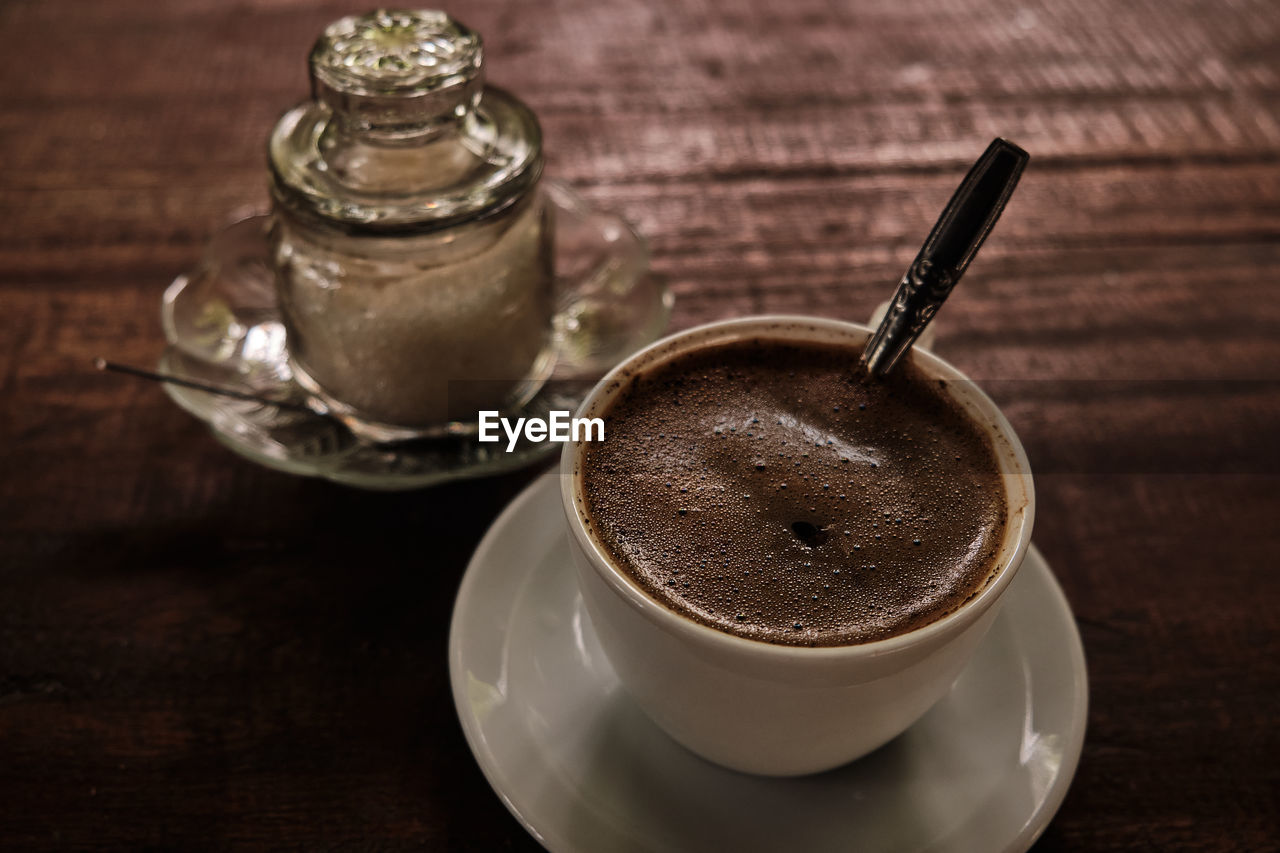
(412, 251)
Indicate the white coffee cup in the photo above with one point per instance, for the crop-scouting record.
(762, 707)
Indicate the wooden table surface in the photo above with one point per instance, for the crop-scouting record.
(196, 653)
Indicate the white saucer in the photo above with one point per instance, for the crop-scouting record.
(584, 770)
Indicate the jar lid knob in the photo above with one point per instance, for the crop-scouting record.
(394, 72)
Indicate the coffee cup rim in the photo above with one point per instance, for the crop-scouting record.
(1014, 465)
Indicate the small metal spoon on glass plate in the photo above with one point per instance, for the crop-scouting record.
(955, 239)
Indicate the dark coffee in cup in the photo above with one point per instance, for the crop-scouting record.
(771, 490)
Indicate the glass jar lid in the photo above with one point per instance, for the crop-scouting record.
(401, 132)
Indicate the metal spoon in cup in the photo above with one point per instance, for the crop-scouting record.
(956, 237)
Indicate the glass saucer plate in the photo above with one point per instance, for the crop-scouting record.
(223, 327)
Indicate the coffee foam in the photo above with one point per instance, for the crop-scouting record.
(769, 490)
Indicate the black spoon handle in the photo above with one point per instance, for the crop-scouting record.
(951, 245)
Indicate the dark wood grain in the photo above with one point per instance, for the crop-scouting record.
(196, 653)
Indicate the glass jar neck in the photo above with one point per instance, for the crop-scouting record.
(401, 132)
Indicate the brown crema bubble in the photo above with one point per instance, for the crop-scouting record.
(771, 490)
